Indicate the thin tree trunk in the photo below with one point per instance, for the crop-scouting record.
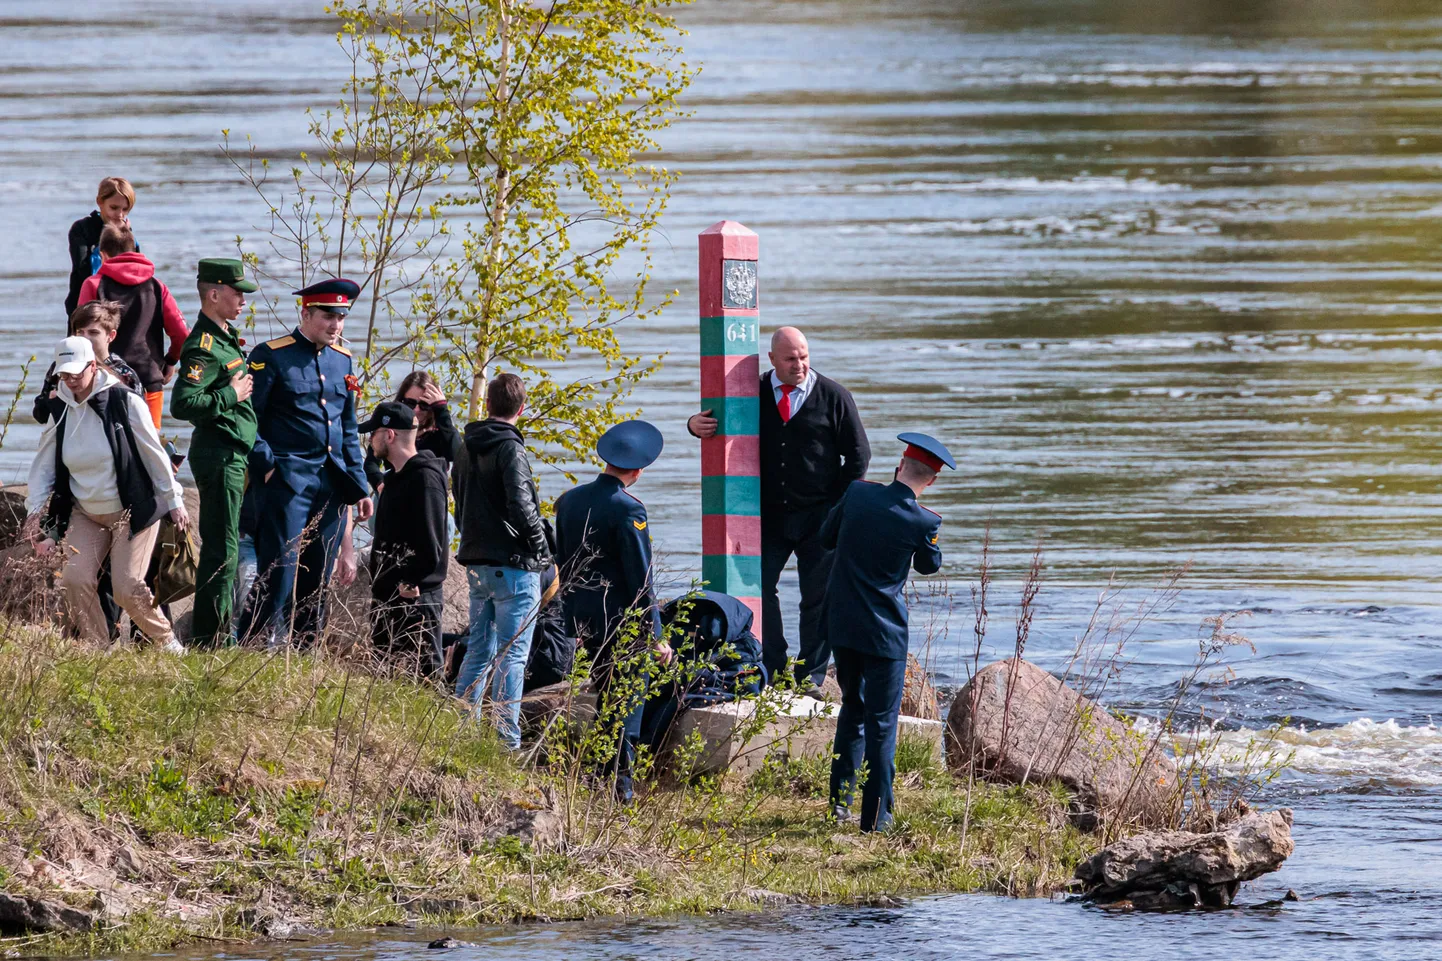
(498, 210)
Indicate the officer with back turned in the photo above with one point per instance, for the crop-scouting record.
(603, 551)
(306, 466)
(213, 393)
(879, 533)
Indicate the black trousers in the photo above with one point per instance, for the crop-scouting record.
(784, 534)
(871, 690)
(407, 632)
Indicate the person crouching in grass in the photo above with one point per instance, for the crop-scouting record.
(101, 482)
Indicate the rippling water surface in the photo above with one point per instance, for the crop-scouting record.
(1164, 274)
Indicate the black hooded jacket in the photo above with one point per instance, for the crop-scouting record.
(497, 508)
(411, 536)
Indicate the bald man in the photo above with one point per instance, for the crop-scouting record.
(812, 447)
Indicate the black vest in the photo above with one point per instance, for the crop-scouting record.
(137, 492)
(140, 341)
(800, 458)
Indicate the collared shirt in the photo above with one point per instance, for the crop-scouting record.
(799, 395)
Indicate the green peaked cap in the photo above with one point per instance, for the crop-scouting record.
(225, 270)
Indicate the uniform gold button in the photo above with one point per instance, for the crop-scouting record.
(328, 449)
(322, 401)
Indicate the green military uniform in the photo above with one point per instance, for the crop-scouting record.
(224, 434)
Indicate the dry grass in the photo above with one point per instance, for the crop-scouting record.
(206, 796)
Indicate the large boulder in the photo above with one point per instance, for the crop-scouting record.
(1017, 724)
(1172, 870)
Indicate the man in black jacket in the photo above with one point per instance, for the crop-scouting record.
(812, 447)
(408, 554)
(503, 546)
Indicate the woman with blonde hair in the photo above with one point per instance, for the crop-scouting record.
(114, 199)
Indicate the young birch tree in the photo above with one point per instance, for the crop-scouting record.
(486, 175)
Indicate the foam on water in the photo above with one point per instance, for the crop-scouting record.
(1362, 752)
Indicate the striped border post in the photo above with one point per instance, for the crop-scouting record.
(730, 371)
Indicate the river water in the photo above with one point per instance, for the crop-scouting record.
(1162, 273)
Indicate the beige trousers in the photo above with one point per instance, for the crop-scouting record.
(87, 542)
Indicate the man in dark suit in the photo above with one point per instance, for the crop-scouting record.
(603, 551)
(812, 447)
(306, 466)
(879, 533)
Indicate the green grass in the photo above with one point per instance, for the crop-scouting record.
(222, 781)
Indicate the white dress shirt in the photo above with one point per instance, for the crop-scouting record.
(799, 395)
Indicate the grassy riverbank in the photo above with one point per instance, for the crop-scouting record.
(227, 795)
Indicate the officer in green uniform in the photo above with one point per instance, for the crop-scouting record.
(213, 393)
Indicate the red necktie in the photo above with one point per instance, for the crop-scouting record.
(784, 408)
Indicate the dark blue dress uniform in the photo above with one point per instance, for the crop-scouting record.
(879, 533)
(307, 435)
(603, 551)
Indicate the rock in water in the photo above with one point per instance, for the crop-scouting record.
(22, 915)
(1171, 870)
(440, 944)
(1019, 724)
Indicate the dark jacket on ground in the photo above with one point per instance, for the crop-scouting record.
(411, 536)
(84, 243)
(497, 508)
(808, 461)
(721, 657)
(553, 649)
(47, 405)
(443, 440)
(879, 533)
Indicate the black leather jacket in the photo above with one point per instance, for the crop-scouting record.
(497, 508)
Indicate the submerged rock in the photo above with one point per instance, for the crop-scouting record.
(1175, 870)
(1020, 724)
(23, 915)
(442, 943)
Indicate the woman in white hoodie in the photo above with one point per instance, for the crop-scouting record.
(102, 481)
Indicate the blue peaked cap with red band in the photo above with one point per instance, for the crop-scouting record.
(336, 295)
(631, 445)
(926, 449)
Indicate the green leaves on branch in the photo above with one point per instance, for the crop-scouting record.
(483, 177)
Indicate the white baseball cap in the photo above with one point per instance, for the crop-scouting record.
(73, 355)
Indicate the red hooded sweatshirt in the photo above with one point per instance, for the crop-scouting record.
(133, 269)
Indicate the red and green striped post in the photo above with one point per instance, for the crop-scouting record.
(730, 372)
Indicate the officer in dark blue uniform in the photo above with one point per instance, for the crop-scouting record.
(306, 466)
(880, 533)
(603, 550)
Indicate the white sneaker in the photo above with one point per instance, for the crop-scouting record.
(173, 646)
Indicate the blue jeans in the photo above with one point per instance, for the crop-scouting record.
(504, 602)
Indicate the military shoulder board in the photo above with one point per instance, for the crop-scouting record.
(206, 342)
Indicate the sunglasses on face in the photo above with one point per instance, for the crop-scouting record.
(413, 403)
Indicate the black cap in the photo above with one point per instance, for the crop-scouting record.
(389, 413)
